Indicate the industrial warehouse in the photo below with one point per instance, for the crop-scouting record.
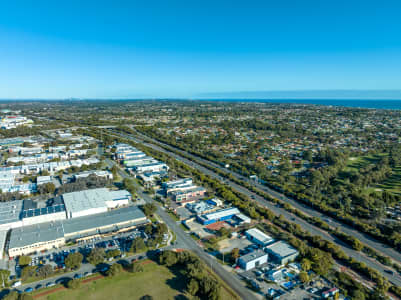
(25, 213)
(45, 236)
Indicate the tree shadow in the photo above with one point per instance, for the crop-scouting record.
(181, 297)
(178, 282)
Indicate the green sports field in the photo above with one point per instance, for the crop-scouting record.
(156, 281)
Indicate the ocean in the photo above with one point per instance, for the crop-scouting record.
(358, 103)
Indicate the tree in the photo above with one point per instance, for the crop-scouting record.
(304, 277)
(168, 258)
(223, 232)
(356, 244)
(161, 228)
(148, 229)
(138, 245)
(113, 253)
(24, 260)
(193, 286)
(47, 188)
(136, 267)
(96, 256)
(357, 294)
(306, 264)
(323, 263)
(44, 173)
(45, 271)
(73, 284)
(209, 288)
(114, 270)
(74, 261)
(149, 209)
(4, 275)
(235, 254)
(28, 272)
(308, 155)
(114, 171)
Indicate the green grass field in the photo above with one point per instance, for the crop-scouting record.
(356, 163)
(391, 184)
(157, 281)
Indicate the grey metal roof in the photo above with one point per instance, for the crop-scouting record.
(119, 195)
(28, 235)
(87, 199)
(103, 219)
(29, 204)
(10, 211)
(282, 249)
(252, 256)
(50, 231)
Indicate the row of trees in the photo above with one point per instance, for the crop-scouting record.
(258, 212)
(90, 182)
(198, 281)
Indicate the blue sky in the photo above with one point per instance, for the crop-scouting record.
(123, 49)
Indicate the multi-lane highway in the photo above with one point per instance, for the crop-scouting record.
(364, 238)
(395, 279)
(185, 241)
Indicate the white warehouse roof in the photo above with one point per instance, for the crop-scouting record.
(10, 211)
(282, 249)
(259, 235)
(84, 200)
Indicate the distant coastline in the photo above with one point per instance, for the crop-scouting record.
(352, 103)
(355, 103)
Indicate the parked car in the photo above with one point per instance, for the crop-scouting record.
(28, 290)
(16, 284)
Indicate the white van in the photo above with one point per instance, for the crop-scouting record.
(16, 284)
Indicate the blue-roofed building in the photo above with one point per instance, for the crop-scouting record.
(220, 215)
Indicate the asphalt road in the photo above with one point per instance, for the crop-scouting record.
(364, 238)
(395, 279)
(186, 242)
(183, 241)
